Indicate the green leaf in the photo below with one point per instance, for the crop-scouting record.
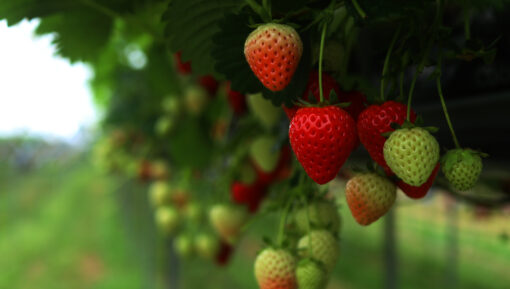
(228, 51)
(383, 11)
(16, 10)
(80, 34)
(190, 27)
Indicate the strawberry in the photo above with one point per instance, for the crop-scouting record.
(195, 99)
(184, 68)
(324, 248)
(236, 100)
(357, 100)
(369, 197)
(419, 192)
(180, 199)
(321, 214)
(375, 120)
(183, 246)
(209, 83)
(227, 221)
(167, 219)
(281, 172)
(311, 275)
(159, 194)
(312, 87)
(273, 52)
(462, 167)
(206, 246)
(193, 212)
(251, 195)
(322, 138)
(275, 269)
(412, 154)
(264, 154)
(263, 110)
(224, 252)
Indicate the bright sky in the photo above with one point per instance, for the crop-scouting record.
(40, 93)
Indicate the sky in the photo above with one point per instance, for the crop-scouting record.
(41, 94)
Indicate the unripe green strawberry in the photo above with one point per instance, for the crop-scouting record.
(164, 125)
(322, 215)
(167, 219)
(183, 246)
(324, 248)
(171, 105)
(193, 212)
(273, 52)
(228, 220)
(159, 194)
(412, 154)
(195, 99)
(264, 153)
(275, 269)
(311, 275)
(206, 246)
(462, 167)
(369, 197)
(263, 109)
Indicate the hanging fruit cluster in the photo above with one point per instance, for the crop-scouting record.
(201, 116)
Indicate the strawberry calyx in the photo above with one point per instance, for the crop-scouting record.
(409, 125)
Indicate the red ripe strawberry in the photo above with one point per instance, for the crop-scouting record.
(210, 84)
(236, 100)
(357, 100)
(250, 195)
(376, 120)
(312, 87)
(224, 253)
(322, 138)
(273, 52)
(184, 68)
(419, 192)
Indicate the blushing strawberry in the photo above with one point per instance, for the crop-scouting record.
(227, 220)
(412, 154)
(376, 120)
(184, 68)
(275, 269)
(322, 139)
(273, 52)
(369, 197)
(419, 192)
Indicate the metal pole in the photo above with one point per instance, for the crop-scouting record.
(390, 251)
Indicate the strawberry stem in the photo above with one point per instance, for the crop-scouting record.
(359, 9)
(283, 221)
(387, 62)
(443, 104)
(323, 37)
(467, 24)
